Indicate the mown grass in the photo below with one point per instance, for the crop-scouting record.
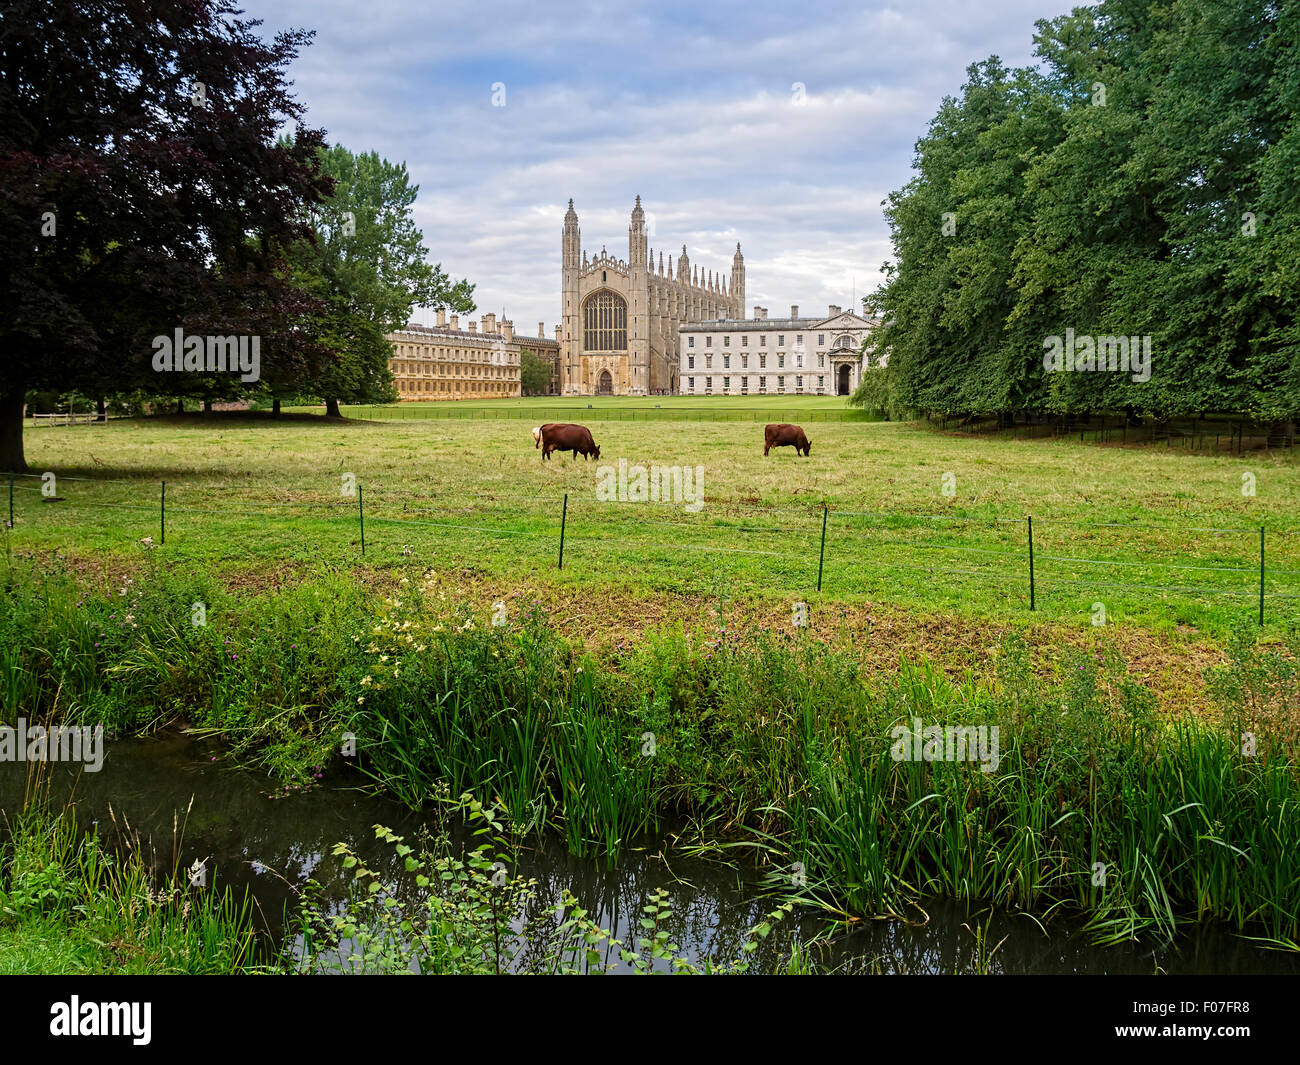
(777, 743)
(1154, 539)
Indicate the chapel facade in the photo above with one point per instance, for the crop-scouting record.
(621, 317)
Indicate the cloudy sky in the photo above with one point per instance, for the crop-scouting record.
(779, 125)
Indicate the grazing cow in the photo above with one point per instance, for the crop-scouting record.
(785, 435)
(559, 436)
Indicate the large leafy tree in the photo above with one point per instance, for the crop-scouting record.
(143, 189)
(1138, 181)
(368, 266)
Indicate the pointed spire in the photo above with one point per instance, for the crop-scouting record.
(661, 264)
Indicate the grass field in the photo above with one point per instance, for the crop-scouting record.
(1166, 544)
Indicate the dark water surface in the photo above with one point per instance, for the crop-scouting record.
(251, 838)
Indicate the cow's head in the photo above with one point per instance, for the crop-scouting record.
(807, 447)
(596, 454)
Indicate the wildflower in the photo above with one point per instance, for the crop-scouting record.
(361, 698)
(147, 541)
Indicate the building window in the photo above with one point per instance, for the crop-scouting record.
(780, 381)
(780, 340)
(744, 341)
(744, 362)
(708, 384)
(690, 362)
(799, 358)
(708, 342)
(780, 360)
(726, 384)
(708, 362)
(821, 383)
(821, 362)
(726, 362)
(690, 342)
(798, 381)
(692, 383)
(726, 342)
(762, 384)
(798, 341)
(821, 339)
(605, 323)
(762, 362)
(762, 341)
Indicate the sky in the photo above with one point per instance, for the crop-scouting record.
(779, 125)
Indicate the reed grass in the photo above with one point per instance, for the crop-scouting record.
(772, 741)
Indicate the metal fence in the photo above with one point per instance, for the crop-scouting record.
(800, 547)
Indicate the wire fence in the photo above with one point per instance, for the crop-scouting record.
(802, 547)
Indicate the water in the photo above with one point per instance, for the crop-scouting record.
(153, 793)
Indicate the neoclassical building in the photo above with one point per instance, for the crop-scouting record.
(621, 318)
(445, 361)
(820, 355)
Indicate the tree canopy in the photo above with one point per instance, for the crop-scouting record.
(1138, 181)
(142, 190)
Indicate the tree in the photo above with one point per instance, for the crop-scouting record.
(534, 374)
(366, 263)
(1138, 182)
(142, 190)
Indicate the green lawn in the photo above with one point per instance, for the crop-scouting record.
(1158, 538)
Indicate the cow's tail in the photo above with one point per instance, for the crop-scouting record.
(537, 436)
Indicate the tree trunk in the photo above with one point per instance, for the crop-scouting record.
(180, 405)
(101, 410)
(275, 407)
(207, 404)
(332, 409)
(11, 429)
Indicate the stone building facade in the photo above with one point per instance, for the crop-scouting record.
(819, 355)
(621, 316)
(444, 361)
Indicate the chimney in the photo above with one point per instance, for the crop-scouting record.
(834, 310)
(759, 312)
(794, 310)
(442, 317)
(455, 321)
(541, 330)
(473, 326)
(507, 329)
(490, 323)
(558, 335)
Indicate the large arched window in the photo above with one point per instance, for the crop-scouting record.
(604, 320)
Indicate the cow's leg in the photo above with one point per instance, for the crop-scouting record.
(766, 447)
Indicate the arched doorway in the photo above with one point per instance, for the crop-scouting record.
(605, 384)
(843, 386)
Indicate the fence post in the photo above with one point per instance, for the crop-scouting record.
(361, 513)
(822, 557)
(1261, 575)
(11, 500)
(162, 515)
(1031, 562)
(564, 519)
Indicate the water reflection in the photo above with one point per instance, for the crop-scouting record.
(168, 795)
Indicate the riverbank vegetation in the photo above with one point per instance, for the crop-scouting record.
(769, 744)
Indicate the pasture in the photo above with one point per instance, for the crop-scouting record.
(926, 533)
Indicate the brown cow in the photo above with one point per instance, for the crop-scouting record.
(559, 436)
(785, 435)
